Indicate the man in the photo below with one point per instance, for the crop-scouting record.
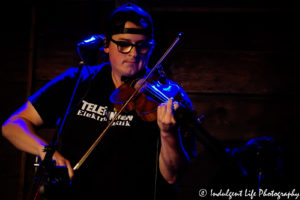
(124, 162)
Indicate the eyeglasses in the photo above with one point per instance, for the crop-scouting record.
(142, 47)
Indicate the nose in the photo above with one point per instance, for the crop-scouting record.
(133, 52)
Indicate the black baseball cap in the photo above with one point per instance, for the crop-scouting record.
(129, 12)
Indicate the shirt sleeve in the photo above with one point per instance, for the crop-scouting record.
(51, 101)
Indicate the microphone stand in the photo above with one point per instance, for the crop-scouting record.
(47, 170)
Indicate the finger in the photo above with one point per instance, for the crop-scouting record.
(176, 105)
(169, 107)
(60, 163)
(70, 170)
(161, 110)
(169, 112)
(67, 164)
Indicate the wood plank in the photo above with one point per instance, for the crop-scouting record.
(8, 187)
(237, 72)
(217, 4)
(60, 31)
(230, 31)
(232, 72)
(218, 55)
(240, 118)
(11, 157)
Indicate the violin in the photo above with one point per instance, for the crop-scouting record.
(157, 89)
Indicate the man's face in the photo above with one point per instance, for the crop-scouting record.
(127, 64)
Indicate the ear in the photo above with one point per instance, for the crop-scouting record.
(106, 45)
(151, 50)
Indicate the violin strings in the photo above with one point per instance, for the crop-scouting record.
(157, 94)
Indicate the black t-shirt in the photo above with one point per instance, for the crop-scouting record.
(124, 162)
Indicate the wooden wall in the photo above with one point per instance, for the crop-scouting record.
(14, 81)
(237, 61)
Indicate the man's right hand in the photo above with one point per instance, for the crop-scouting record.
(60, 161)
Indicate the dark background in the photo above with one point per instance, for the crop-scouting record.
(238, 61)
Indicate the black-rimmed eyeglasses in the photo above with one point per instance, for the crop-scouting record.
(142, 47)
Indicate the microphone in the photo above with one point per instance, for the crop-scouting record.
(88, 49)
(95, 42)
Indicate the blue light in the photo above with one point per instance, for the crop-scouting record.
(90, 39)
(167, 88)
(159, 92)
